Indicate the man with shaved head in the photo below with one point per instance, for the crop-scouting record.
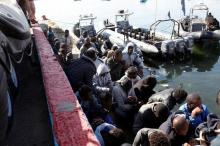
(177, 128)
(195, 110)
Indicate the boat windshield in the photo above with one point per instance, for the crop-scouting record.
(198, 27)
(164, 29)
(199, 11)
(202, 14)
(86, 22)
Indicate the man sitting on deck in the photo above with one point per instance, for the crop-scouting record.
(125, 103)
(150, 116)
(151, 137)
(109, 135)
(170, 97)
(176, 127)
(143, 89)
(88, 102)
(195, 110)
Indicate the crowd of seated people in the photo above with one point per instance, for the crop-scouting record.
(114, 94)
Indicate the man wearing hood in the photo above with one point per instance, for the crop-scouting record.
(82, 70)
(125, 102)
(132, 74)
(102, 79)
(131, 58)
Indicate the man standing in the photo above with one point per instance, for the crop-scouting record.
(115, 65)
(82, 70)
(68, 40)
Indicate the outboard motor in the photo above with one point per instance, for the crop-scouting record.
(168, 48)
(189, 43)
(180, 48)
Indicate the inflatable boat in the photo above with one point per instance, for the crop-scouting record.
(150, 41)
(85, 24)
(200, 28)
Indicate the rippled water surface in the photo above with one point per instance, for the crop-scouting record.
(201, 74)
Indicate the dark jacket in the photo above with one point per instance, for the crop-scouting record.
(146, 118)
(3, 105)
(115, 69)
(164, 97)
(175, 140)
(90, 107)
(208, 127)
(141, 139)
(200, 118)
(81, 71)
(142, 92)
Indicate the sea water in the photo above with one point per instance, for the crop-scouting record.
(201, 74)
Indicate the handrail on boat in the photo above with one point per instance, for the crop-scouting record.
(155, 24)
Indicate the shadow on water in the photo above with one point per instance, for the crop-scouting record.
(199, 74)
(205, 56)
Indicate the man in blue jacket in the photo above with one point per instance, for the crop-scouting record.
(195, 110)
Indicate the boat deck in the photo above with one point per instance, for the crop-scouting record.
(31, 125)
